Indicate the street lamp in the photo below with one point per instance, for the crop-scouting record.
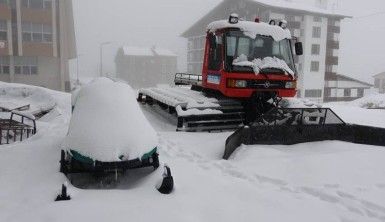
(101, 56)
(77, 67)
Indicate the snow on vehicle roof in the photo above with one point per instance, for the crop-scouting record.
(107, 123)
(143, 51)
(252, 29)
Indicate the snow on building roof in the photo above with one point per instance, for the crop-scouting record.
(252, 29)
(137, 51)
(344, 77)
(163, 52)
(380, 75)
(293, 5)
(144, 51)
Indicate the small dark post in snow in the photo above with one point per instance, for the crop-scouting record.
(63, 196)
(167, 185)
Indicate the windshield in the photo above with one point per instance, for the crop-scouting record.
(259, 55)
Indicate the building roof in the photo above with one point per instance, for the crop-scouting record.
(379, 75)
(292, 5)
(221, 8)
(347, 78)
(150, 51)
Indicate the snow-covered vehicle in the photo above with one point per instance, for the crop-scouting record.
(108, 132)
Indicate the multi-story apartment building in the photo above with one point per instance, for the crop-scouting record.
(314, 25)
(37, 39)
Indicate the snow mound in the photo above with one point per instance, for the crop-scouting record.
(16, 96)
(260, 64)
(252, 29)
(107, 123)
(374, 101)
(299, 103)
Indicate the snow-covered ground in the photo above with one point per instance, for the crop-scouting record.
(323, 181)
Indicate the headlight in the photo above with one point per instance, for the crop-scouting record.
(241, 84)
(291, 85)
(233, 83)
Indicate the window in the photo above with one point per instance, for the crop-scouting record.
(5, 2)
(215, 52)
(347, 92)
(317, 19)
(3, 30)
(315, 49)
(26, 65)
(360, 93)
(313, 93)
(314, 66)
(4, 65)
(316, 32)
(37, 4)
(35, 32)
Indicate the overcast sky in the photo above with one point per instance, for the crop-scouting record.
(153, 22)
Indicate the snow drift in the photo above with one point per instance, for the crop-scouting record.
(16, 96)
(107, 123)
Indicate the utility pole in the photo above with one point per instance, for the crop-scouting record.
(101, 56)
(77, 68)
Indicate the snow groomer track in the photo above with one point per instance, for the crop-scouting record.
(193, 110)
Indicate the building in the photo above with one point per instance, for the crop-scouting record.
(143, 67)
(314, 25)
(37, 39)
(379, 82)
(344, 88)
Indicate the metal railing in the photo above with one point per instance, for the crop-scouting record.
(188, 79)
(12, 130)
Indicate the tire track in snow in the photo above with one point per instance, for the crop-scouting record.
(343, 199)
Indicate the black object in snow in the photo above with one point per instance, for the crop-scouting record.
(167, 185)
(63, 196)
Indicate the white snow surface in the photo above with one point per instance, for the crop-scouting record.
(17, 95)
(195, 111)
(252, 29)
(260, 64)
(107, 123)
(324, 181)
(375, 101)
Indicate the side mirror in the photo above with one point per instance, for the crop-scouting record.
(298, 48)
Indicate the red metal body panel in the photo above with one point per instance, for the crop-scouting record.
(240, 93)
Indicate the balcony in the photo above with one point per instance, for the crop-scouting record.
(5, 12)
(331, 76)
(334, 29)
(42, 16)
(37, 49)
(294, 25)
(331, 44)
(331, 60)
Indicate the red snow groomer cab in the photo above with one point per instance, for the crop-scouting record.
(247, 68)
(247, 60)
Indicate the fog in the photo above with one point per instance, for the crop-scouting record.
(159, 23)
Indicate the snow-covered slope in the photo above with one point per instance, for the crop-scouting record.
(318, 182)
